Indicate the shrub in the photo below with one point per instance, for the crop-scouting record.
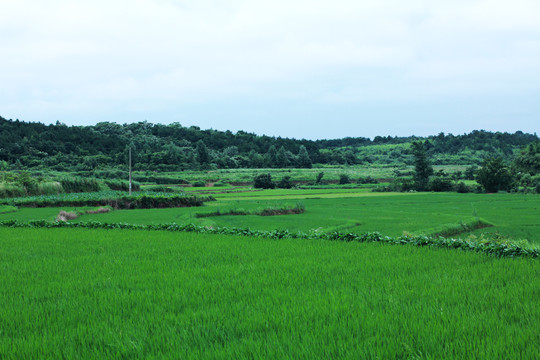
(439, 184)
(199, 183)
(367, 180)
(344, 179)
(285, 183)
(462, 188)
(264, 181)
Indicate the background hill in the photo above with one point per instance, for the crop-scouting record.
(25, 145)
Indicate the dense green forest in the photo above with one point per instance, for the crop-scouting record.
(26, 145)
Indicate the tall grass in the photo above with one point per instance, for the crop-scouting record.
(120, 185)
(79, 185)
(11, 190)
(49, 188)
(114, 199)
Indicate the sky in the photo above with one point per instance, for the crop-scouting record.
(290, 68)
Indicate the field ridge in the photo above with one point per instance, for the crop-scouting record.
(495, 247)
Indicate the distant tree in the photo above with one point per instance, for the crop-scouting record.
(319, 177)
(256, 160)
(470, 172)
(422, 168)
(304, 161)
(203, 155)
(282, 160)
(350, 158)
(270, 157)
(528, 161)
(494, 175)
(263, 181)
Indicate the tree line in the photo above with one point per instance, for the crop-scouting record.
(173, 147)
(521, 174)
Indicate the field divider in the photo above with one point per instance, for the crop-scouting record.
(498, 248)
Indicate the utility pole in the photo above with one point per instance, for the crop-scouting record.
(130, 171)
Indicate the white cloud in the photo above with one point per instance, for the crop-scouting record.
(91, 54)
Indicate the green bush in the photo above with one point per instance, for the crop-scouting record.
(462, 188)
(264, 181)
(344, 179)
(439, 184)
(285, 183)
(367, 180)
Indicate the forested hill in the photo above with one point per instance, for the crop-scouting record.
(176, 147)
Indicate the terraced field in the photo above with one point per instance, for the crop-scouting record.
(512, 215)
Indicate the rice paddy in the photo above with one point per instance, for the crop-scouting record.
(77, 293)
(96, 293)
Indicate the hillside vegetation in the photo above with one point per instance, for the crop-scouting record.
(175, 147)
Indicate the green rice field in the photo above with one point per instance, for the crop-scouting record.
(123, 294)
(515, 216)
(78, 293)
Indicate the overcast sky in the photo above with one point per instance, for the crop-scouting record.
(293, 68)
